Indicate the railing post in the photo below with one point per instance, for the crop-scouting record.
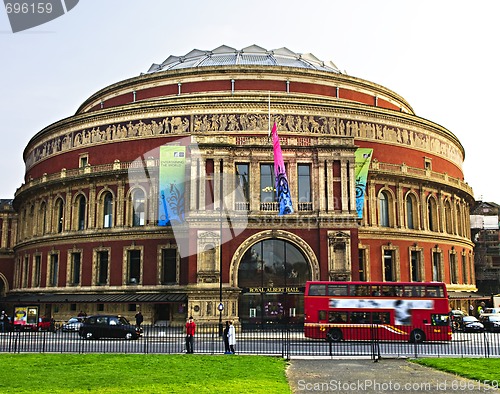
(486, 345)
(375, 343)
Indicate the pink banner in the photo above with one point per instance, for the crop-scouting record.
(282, 189)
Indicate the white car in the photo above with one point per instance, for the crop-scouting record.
(493, 311)
(472, 324)
(491, 321)
(73, 324)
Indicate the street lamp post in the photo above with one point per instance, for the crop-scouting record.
(220, 307)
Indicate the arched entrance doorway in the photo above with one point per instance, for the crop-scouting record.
(272, 274)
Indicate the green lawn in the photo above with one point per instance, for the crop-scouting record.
(117, 373)
(110, 373)
(479, 369)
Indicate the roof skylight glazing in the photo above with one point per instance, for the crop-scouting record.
(252, 55)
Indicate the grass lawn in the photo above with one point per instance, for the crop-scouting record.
(117, 373)
(480, 369)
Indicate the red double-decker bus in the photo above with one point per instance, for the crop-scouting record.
(410, 311)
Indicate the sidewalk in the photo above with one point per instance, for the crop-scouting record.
(385, 376)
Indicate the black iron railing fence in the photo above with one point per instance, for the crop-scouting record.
(285, 341)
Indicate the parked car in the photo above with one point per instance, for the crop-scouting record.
(491, 322)
(108, 326)
(73, 324)
(492, 311)
(456, 319)
(472, 324)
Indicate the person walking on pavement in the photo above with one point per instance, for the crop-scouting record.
(190, 330)
(231, 335)
(4, 322)
(225, 337)
(138, 320)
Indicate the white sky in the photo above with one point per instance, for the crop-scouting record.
(441, 56)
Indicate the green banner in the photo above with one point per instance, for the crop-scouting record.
(171, 185)
(363, 158)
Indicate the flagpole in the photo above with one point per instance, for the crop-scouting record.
(269, 115)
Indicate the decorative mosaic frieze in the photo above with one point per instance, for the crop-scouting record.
(213, 123)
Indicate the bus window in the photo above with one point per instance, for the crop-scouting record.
(381, 318)
(337, 317)
(388, 291)
(360, 317)
(321, 315)
(360, 290)
(434, 292)
(375, 291)
(414, 291)
(337, 290)
(317, 290)
(440, 320)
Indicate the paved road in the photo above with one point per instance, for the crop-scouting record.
(385, 376)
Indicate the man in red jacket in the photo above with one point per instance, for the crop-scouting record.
(190, 330)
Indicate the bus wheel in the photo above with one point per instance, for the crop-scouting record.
(417, 336)
(334, 335)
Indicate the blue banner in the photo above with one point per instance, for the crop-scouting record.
(171, 185)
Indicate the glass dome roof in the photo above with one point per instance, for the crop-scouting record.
(252, 55)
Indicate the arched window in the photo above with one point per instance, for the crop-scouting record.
(31, 221)
(107, 210)
(432, 214)
(59, 215)
(81, 205)
(42, 218)
(460, 228)
(138, 208)
(384, 206)
(448, 218)
(411, 212)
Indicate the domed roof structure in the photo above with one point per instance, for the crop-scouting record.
(252, 55)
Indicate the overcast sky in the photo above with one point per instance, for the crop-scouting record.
(441, 56)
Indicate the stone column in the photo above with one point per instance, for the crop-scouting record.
(344, 184)
(91, 207)
(120, 203)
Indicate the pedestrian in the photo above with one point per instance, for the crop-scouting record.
(480, 308)
(190, 330)
(471, 310)
(139, 319)
(231, 336)
(4, 321)
(225, 337)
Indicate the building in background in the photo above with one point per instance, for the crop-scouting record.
(95, 210)
(486, 238)
(8, 231)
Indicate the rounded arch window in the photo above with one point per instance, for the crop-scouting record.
(81, 203)
(59, 205)
(411, 211)
(138, 208)
(108, 210)
(384, 199)
(272, 263)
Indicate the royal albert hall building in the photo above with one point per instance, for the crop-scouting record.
(89, 233)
